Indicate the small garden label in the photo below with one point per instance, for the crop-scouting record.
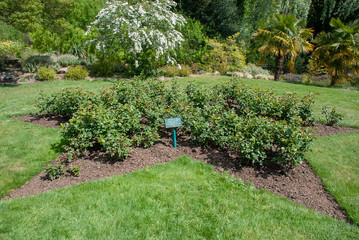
(173, 123)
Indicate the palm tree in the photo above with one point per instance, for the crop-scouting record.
(285, 36)
(338, 51)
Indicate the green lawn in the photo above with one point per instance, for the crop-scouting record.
(336, 160)
(183, 199)
(197, 202)
(25, 149)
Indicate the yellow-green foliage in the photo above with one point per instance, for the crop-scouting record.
(171, 71)
(185, 71)
(315, 68)
(76, 73)
(9, 50)
(225, 56)
(46, 73)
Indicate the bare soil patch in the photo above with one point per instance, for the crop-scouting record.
(301, 185)
(44, 120)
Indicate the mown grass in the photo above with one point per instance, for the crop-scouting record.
(345, 101)
(336, 160)
(25, 149)
(184, 205)
(183, 199)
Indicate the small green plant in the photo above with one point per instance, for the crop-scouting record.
(76, 73)
(54, 171)
(75, 171)
(68, 60)
(33, 63)
(332, 117)
(46, 74)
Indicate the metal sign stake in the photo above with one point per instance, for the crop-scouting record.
(173, 123)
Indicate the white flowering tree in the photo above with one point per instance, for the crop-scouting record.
(145, 31)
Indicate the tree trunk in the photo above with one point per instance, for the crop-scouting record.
(278, 66)
(333, 80)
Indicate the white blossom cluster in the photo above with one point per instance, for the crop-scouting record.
(138, 27)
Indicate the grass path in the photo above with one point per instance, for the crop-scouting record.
(183, 199)
(336, 160)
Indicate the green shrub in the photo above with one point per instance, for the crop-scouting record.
(225, 56)
(8, 32)
(33, 63)
(169, 71)
(260, 125)
(332, 117)
(9, 50)
(68, 60)
(185, 71)
(255, 70)
(27, 53)
(76, 73)
(46, 73)
(104, 68)
(54, 171)
(66, 102)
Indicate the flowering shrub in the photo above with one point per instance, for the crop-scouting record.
(257, 124)
(144, 30)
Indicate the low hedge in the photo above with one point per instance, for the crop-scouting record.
(261, 126)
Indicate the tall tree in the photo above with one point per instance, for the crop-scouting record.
(338, 51)
(284, 37)
(223, 17)
(322, 11)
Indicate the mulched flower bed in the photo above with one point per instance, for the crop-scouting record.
(301, 185)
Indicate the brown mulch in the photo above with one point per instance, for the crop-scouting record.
(43, 120)
(301, 185)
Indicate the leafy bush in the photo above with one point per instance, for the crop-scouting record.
(259, 125)
(225, 56)
(46, 74)
(68, 60)
(172, 71)
(185, 71)
(255, 70)
(8, 32)
(9, 50)
(54, 171)
(103, 68)
(76, 73)
(332, 117)
(66, 102)
(27, 53)
(169, 71)
(33, 63)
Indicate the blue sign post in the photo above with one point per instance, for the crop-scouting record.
(173, 123)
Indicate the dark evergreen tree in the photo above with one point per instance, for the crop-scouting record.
(322, 11)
